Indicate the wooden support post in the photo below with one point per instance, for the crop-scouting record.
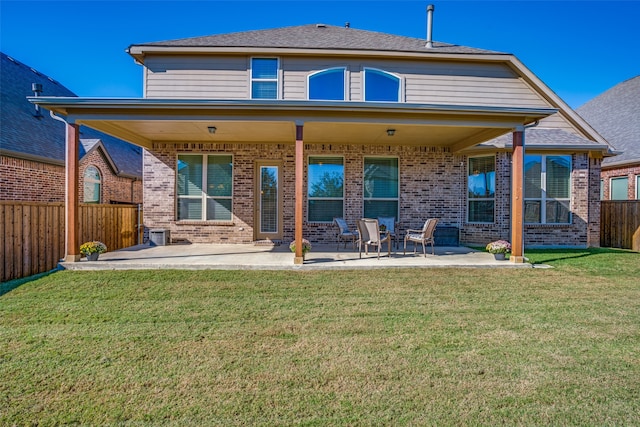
(299, 259)
(517, 197)
(72, 208)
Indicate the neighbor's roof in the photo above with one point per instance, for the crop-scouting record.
(548, 139)
(615, 114)
(315, 36)
(43, 139)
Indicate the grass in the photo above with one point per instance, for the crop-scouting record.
(404, 347)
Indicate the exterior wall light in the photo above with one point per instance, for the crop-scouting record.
(212, 129)
(391, 132)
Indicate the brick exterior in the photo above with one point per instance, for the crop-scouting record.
(27, 180)
(432, 184)
(631, 172)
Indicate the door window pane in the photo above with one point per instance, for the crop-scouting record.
(269, 199)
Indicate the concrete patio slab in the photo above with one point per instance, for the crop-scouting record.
(251, 257)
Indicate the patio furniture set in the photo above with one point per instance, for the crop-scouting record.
(376, 232)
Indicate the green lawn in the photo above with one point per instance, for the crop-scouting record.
(556, 346)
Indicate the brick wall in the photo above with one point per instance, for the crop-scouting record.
(26, 180)
(630, 172)
(432, 184)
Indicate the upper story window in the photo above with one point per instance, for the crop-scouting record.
(327, 85)
(481, 189)
(264, 78)
(92, 184)
(547, 187)
(381, 86)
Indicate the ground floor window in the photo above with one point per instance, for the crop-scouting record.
(204, 187)
(381, 187)
(638, 187)
(547, 189)
(325, 191)
(481, 189)
(91, 185)
(619, 188)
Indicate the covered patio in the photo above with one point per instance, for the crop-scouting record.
(251, 257)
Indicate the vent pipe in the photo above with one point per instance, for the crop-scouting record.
(430, 9)
(37, 90)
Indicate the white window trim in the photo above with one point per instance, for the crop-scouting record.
(481, 199)
(344, 76)
(277, 79)
(543, 196)
(383, 199)
(326, 198)
(204, 196)
(92, 181)
(364, 84)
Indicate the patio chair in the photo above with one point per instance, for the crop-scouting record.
(390, 224)
(344, 233)
(424, 236)
(369, 234)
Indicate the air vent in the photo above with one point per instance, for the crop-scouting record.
(321, 25)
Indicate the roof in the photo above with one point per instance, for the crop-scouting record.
(615, 114)
(43, 139)
(317, 36)
(549, 139)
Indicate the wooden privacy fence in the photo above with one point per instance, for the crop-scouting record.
(620, 224)
(33, 233)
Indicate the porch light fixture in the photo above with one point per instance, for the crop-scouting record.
(391, 132)
(212, 129)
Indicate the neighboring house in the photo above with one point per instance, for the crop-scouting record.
(271, 134)
(615, 114)
(32, 148)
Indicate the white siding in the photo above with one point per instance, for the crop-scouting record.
(435, 82)
(197, 77)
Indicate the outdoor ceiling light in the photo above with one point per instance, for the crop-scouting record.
(212, 129)
(391, 132)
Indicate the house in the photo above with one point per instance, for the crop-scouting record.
(270, 134)
(32, 147)
(615, 114)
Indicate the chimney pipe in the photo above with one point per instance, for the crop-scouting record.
(430, 10)
(37, 90)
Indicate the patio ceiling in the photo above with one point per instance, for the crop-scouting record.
(145, 121)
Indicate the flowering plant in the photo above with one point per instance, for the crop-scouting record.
(306, 246)
(499, 247)
(93, 248)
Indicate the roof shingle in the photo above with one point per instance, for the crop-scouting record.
(319, 36)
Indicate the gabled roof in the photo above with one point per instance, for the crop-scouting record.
(615, 114)
(42, 138)
(314, 36)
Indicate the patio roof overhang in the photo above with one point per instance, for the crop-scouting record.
(145, 121)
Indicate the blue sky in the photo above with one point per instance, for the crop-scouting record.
(578, 48)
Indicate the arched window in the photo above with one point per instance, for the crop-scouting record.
(381, 86)
(327, 85)
(92, 184)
